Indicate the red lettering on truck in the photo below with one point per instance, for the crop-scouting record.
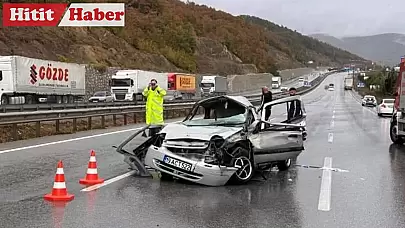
(52, 73)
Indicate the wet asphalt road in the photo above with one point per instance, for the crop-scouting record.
(371, 194)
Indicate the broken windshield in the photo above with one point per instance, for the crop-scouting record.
(221, 111)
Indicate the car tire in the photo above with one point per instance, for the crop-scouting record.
(246, 168)
(393, 135)
(362, 104)
(379, 114)
(284, 165)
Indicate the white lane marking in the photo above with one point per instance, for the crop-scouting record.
(70, 140)
(330, 137)
(333, 111)
(332, 124)
(326, 186)
(109, 181)
(333, 117)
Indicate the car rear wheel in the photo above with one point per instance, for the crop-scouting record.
(284, 165)
(379, 114)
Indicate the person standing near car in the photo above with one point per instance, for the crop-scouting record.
(267, 96)
(295, 110)
(154, 103)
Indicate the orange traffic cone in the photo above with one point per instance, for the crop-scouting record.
(91, 175)
(59, 191)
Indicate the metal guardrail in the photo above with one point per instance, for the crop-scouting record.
(39, 107)
(136, 113)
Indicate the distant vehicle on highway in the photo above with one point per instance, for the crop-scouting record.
(276, 82)
(369, 100)
(213, 85)
(331, 87)
(181, 86)
(102, 96)
(386, 107)
(128, 85)
(284, 89)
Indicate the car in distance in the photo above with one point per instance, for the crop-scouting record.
(223, 139)
(102, 96)
(386, 107)
(331, 87)
(369, 100)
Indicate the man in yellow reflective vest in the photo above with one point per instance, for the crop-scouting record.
(154, 103)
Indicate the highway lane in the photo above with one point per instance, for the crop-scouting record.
(371, 194)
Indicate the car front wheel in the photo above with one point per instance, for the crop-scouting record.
(245, 170)
(284, 165)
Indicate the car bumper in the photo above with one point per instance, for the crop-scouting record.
(201, 172)
(370, 104)
(386, 111)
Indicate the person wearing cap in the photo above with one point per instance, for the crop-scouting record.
(267, 96)
(154, 103)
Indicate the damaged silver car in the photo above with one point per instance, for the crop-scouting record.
(223, 139)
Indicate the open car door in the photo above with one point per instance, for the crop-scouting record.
(283, 134)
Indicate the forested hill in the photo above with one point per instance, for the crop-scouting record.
(169, 35)
(302, 48)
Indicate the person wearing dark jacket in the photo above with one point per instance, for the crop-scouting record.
(267, 96)
(294, 110)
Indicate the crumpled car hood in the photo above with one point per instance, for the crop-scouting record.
(178, 130)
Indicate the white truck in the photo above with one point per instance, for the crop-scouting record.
(275, 82)
(28, 81)
(348, 83)
(128, 85)
(213, 85)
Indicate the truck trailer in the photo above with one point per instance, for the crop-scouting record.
(348, 83)
(26, 80)
(397, 122)
(128, 85)
(181, 86)
(213, 85)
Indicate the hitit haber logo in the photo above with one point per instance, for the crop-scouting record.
(64, 15)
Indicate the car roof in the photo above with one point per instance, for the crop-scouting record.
(369, 96)
(239, 99)
(389, 99)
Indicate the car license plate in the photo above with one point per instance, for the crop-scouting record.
(177, 163)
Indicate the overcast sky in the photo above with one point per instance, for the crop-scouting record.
(334, 17)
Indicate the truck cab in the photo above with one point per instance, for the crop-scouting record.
(213, 85)
(123, 86)
(275, 82)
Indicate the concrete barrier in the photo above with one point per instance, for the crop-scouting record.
(248, 82)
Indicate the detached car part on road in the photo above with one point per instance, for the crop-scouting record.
(229, 143)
